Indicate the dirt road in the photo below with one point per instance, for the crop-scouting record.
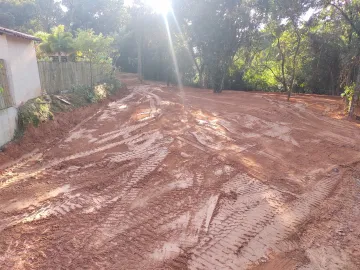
(166, 179)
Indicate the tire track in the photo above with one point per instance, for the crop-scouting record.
(146, 221)
(55, 162)
(124, 132)
(16, 164)
(95, 201)
(248, 230)
(115, 108)
(110, 227)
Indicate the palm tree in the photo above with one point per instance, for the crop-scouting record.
(57, 42)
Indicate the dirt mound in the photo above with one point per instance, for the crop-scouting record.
(49, 132)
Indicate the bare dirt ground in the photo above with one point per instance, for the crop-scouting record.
(169, 179)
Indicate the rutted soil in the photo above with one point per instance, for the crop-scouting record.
(169, 179)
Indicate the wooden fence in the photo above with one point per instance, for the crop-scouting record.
(5, 95)
(56, 77)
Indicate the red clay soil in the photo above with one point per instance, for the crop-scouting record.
(49, 132)
(186, 179)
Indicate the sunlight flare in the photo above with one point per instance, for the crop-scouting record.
(159, 6)
(173, 56)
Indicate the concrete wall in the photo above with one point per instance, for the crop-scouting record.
(8, 124)
(24, 70)
(23, 77)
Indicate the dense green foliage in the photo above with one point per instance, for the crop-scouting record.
(306, 46)
(35, 111)
(56, 42)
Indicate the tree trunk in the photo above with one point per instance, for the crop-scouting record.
(199, 67)
(332, 83)
(355, 97)
(294, 62)
(288, 95)
(287, 90)
(201, 77)
(201, 80)
(59, 57)
(219, 76)
(139, 33)
(219, 82)
(91, 75)
(140, 64)
(168, 76)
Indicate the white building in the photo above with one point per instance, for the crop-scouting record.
(19, 78)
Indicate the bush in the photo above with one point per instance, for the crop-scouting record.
(348, 95)
(112, 85)
(35, 111)
(41, 109)
(99, 92)
(80, 89)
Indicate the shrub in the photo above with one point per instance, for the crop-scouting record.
(112, 85)
(42, 108)
(35, 111)
(98, 93)
(80, 89)
(348, 95)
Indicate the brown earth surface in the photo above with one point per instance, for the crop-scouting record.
(170, 179)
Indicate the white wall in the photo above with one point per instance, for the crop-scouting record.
(23, 77)
(24, 70)
(8, 124)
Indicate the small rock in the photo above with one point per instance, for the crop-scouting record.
(184, 155)
(263, 260)
(228, 169)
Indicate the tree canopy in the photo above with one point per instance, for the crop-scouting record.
(304, 46)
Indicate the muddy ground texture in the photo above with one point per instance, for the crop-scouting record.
(170, 179)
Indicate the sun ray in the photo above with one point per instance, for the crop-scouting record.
(159, 6)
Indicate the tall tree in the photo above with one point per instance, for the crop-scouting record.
(96, 49)
(48, 13)
(103, 16)
(17, 14)
(218, 29)
(280, 54)
(57, 42)
(350, 12)
(327, 43)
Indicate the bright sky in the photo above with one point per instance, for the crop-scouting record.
(159, 6)
(128, 2)
(305, 17)
(164, 6)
